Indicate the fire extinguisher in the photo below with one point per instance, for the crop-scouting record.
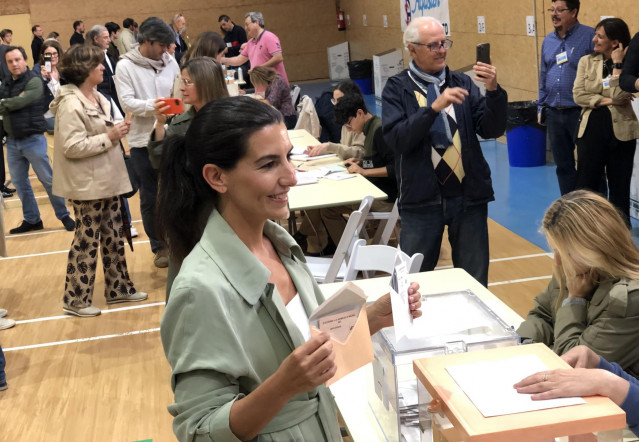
(341, 23)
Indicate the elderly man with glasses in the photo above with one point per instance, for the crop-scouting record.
(560, 54)
(431, 118)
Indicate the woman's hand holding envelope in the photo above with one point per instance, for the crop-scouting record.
(380, 314)
(310, 365)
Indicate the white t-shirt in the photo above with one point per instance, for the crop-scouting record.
(296, 310)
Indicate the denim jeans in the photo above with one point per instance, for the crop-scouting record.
(21, 153)
(147, 178)
(422, 230)
(2, 365)
(561, 130)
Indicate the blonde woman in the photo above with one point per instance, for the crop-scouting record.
(593, 297)
(276, 92)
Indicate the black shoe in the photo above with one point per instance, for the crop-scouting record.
(6, 194)
(27, 227)
(69, 223)
(8, 189)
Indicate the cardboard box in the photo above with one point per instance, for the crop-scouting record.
(385, 65)
(338, 57)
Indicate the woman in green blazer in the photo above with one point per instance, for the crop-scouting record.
(242, 367)
(593, 298)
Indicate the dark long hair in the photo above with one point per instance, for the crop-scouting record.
(615, 29)
(219, 134)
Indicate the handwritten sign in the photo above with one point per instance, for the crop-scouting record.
(411, 9)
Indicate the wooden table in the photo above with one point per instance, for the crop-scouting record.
(597, 414)
(327, 193)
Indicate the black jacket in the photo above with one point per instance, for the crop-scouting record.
(36, 46)
(406, 131)
(28, 120)
(107, 87)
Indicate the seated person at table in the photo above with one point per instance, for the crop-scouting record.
(235, 329)
(377, 165)
(593, 297)
(276, 92)
(591, 375)
(351, 143)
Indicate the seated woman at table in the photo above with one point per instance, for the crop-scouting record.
(351, 144)
(593, 297)
(276, 91)
(609, 129)
(235, 327)
(591, 375)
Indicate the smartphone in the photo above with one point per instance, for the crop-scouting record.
(175, 106)
(483, 53)
(47, 62)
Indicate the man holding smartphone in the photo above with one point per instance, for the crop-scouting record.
(431, 118)
(560, 54)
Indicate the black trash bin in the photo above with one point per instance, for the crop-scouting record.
(361, 72)
(526, 139)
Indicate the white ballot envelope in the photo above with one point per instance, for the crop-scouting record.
(399, 283)
(343, 317)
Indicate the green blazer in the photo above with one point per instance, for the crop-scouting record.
(225, 330)
(178, 126)
(608, 323)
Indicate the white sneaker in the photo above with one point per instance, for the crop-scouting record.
(134, 232)
(6, 323)
(83, 312)
(137, 296)
(3, 312)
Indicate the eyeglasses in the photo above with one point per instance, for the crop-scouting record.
(435, 47)
(558, 10)
(186, 82)
(348, 123)
(52, 54)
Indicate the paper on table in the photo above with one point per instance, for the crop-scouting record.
(305, 178)
(304, 157)
(339, 176)
(489, 385)
(402, 317)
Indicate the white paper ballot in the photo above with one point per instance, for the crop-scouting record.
(489, 385)
(339, 176)
(399, 283)
(304, 157)
(305, 178)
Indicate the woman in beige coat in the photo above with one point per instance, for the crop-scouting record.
(609, 128)
(89, 170)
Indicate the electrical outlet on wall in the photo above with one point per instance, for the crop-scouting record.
(385, 20)
(364, 19)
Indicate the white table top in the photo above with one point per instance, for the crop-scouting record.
(350, 391)
(327, 193)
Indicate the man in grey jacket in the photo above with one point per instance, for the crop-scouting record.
(144, 74)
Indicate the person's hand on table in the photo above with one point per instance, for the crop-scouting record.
(380, 313)
(313, 151)
(581, 357)
(353, 166)
(568, 382)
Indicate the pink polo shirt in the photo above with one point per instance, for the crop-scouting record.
(261, 49)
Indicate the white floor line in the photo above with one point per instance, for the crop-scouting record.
(18, 199)
(19, 235)
(104, 312)
(509, 258)
(55, 253)
(514, 281)
(74, 341)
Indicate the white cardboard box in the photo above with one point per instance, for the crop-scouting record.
(385, 65)
(338, 57)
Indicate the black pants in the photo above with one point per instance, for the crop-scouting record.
(598, 150)
(3, 175)
(147, 179)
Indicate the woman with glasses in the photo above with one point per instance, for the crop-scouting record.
(609, 129)
(47, 70)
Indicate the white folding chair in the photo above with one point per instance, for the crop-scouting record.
(376, 258)
(295, 94)
(387, 225)
(326, 270)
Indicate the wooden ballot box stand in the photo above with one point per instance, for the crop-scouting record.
(599, 414)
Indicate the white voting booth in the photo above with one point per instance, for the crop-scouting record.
(338, 58)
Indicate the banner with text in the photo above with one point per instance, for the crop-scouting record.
(410, 9)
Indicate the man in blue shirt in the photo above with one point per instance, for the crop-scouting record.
(560, 54)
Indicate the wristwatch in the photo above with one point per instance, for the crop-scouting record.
(617, 65)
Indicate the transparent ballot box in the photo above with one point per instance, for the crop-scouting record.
(451, 323)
